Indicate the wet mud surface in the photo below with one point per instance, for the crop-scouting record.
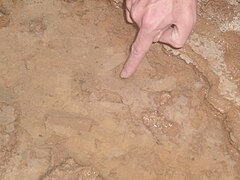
(66, 114)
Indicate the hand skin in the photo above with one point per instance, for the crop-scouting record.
(166, 21)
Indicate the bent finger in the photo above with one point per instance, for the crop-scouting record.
(176, 35)
(128, 16)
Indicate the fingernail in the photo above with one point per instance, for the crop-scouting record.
(124, 74)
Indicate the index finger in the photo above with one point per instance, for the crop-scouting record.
(139, 48)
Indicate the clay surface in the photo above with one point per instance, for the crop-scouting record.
(66, 114)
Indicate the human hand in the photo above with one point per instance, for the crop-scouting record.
(166, 21)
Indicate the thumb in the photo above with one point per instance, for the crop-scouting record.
(139, 48)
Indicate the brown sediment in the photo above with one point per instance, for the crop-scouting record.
(65, 113)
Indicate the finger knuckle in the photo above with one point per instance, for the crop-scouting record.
(179, 42)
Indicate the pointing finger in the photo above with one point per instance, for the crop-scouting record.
(138, 50)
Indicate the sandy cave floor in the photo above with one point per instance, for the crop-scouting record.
(66, 114)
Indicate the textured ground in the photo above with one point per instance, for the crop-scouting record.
(66, 114)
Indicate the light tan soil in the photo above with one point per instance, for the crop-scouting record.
(66, 114)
